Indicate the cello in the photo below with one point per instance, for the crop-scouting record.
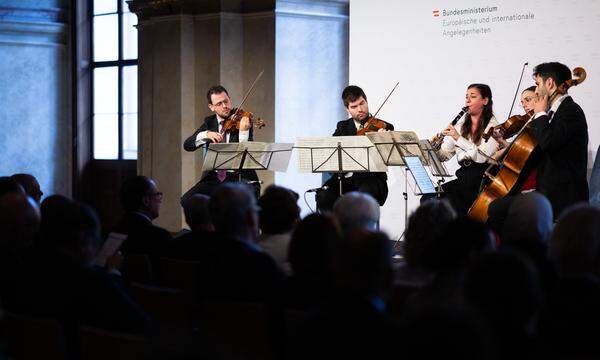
(506, 177)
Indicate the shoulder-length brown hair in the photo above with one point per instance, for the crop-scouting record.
(486, 116)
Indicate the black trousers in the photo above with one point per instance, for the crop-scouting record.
(211, 182)
(374, 184)
(462, 191)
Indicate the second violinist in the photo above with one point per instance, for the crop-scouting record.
(375, 184)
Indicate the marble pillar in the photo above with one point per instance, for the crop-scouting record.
(35, 92)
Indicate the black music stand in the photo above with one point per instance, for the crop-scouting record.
(339, 155)
(247, 156)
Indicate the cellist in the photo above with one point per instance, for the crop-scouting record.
(560, 129)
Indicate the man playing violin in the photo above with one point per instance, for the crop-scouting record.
(212, 130)
(375, 184)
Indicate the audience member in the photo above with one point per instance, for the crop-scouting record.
(190, 244)
(60, 282)
(504, 288)
(426, 225)
(354, 323)
(232, 267)
(569, 317)
(527, 229)
(279, 213)
(310, 255)
(30, 185)
(141, 199)
(575, 242)
(9, 185)
(356, 210)
(19, 223)
(446, 331)
(463, 242)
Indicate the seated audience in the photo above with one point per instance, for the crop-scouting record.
(310, 255)
(463, 242)
(9, 185)
(190, 244)
(279, 213)
(527, 230)
(356, 210)
(30, 185)
(19, 223)
(354, 323)
(60, 282)
(567, 320)
(504, 289)
(575, 242)
(141, 199)
(232, 267)
(425, 226)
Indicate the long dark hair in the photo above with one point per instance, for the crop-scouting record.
(487, 114)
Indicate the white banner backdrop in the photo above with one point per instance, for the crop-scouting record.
(436, 49)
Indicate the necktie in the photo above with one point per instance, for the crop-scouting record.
(550, 114)
(222, 174)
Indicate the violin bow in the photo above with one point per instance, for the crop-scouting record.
(517, 92)
(386, 99)
(248, 92)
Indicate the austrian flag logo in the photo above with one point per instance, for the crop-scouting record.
(436, 13)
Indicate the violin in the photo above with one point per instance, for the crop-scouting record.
(233, 121)
(372, 124)
(510, 127)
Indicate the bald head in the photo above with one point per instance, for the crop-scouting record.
(234, 212)
(356, 210)
(30, 185)
(19, 221)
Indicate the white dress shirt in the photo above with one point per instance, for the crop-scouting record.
(202, 136)
(466, 149)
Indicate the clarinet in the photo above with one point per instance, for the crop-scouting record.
(439, 139)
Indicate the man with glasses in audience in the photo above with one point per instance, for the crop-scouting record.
(141, 200)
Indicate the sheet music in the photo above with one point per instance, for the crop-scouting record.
(420, 174)
(261, 156)
(437, 167)
(274, 156)
(109, 248)
(319, 154)
(407, 144)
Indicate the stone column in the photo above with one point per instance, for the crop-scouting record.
(187, 46)
(35, 92)
(167, 108)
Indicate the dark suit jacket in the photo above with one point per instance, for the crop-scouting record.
(211, 124)
(142, 236)
(189, 246)
(562, 171)
(234, 270)
(52, 284)
(373, 183)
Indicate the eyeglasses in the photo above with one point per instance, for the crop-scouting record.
(158, 195)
